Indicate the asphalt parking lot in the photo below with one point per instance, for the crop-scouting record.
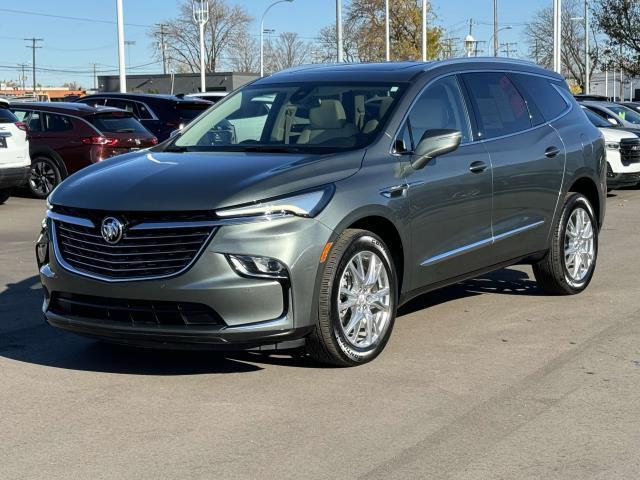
(488, 379)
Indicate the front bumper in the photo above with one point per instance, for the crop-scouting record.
(254, 311)
(14, 177)
(620, 180)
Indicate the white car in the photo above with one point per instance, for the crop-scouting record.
(15, 163)
(623, 153)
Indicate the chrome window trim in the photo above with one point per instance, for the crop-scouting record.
(149, 109)
(474, 246)
(395, 136)
(82, 222)
(63, 114)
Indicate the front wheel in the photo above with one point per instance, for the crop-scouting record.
(357, 302)
(568, 267)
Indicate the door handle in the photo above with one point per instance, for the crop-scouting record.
(477, 167)
(551, 152)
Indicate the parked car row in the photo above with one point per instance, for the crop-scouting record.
(619, 123)
(63, 137)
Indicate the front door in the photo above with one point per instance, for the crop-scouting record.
(450, 197)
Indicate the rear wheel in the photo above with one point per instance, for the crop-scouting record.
(45, 176)
(357, 303)
(4, 195)
(568, 267)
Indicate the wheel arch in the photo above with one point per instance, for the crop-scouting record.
(34, 153)
(587, 187)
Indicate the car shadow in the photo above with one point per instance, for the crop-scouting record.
(25, 337)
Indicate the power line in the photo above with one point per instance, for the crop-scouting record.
(65, 17)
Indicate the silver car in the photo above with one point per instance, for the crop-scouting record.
(305, 208)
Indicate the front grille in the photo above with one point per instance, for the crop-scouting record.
(140, 254)
(133, 312)
(630, 150)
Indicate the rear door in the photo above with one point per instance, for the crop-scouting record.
(527, 156)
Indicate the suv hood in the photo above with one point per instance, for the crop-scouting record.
(159, 181)
(615, 135)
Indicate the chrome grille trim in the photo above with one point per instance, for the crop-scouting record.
(140, 255)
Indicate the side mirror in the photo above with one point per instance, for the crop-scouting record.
(435, 143)
(175, 132)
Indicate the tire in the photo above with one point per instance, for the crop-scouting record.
(373, 304)
(558, 273)
(4, 195)
(45, 176)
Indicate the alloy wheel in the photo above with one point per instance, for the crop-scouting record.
(579, 249)
(43, 178)
(364, 300)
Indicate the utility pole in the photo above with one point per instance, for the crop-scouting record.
(495, 28)
(507, 48)
(339, 46)
(33, 46)
(536, 52)
(23, 77)
(95, 78)
(121, 61)
(163, 48)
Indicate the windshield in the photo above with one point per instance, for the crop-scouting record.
(117, 123)
(293, 117)
(626, 114)
(596, 119)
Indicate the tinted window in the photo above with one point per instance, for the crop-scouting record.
(440, 106)
(626, 114)
(117, 123)
(56, 123)
(123, 104)
(143, 112)
(32, 119)
(6, 116)
(541, 94)
(597, 120)
(94, 102)
(498, 105)
(188, 112)
(610, 118)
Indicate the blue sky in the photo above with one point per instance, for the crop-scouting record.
(74, 44)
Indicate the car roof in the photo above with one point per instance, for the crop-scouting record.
(396, 71)
(78, 109)
(147, 97)
(596, 103)
(4, 103)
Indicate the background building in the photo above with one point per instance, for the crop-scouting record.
(176, 83)
(610, 84)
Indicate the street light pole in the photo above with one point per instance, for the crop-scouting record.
(121, 61)
(557, 35)
(262, 33)
(493, 37)
(340, 45)
(587, 67)
(201, 17)
(386, 30)
(495, 28)
(424, 31)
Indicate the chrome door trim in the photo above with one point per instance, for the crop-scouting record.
(82, 222)
(476, 245)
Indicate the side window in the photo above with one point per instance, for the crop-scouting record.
(20, 114)
(498, 105)
(33, 121)
(122, 104)
(56, 123)
(142, 112)
(539, 93)
(608, 117)
(403, 142)
(440, 106)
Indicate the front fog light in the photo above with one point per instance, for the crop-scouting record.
(261, 267)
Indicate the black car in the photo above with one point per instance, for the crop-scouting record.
(632, 105)
(160, 114)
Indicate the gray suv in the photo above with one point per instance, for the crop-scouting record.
(306, 207)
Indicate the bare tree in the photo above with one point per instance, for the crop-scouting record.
(182, 41)
(326, 46)
(539, 34)
(244, 54)
(286, 51)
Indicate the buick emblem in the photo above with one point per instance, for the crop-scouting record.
(112, 230)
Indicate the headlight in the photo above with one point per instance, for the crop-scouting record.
(613, 145)
(306, 204)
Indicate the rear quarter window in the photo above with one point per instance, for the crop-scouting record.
(540, 93)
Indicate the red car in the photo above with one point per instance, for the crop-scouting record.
(66, 137)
